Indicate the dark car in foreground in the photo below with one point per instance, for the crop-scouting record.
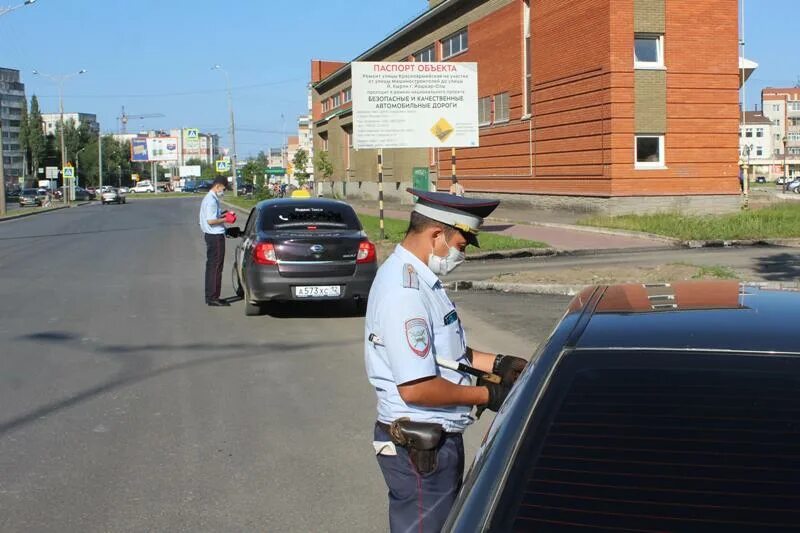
(669, 407)
(29, 198)
(310, 249)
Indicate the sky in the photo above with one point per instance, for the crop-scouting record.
(155, 56)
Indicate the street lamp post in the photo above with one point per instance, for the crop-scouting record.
(59, 80)
(6, 11)
(77, 165)
(233, 127)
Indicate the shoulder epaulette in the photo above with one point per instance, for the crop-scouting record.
(410, 277)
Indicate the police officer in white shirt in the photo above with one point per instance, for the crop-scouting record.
(212, 222)
(422, 408)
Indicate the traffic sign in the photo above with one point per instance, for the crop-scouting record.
(223, 166)
(68, 172)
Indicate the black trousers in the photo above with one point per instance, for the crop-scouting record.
(215, 257)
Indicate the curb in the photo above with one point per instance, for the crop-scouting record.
(571, 290)
(8, 218)
(517, 288)
(791, 243)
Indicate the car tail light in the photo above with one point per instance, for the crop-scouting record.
(366, 252)
(264, 254)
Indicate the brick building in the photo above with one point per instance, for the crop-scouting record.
(782, 107)
(615, 105)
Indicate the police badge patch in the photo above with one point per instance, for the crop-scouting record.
(418, 336)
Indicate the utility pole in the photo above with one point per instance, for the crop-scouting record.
(233, 127)
(59, 79)
(2, 172)
(100, 161)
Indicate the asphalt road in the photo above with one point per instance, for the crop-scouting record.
(126, 404)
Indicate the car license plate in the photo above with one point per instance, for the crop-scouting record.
(318, 291)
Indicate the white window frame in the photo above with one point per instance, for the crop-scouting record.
(481, 102)
(498, 118)
(649, 165)
(748, 132)
(347, 95)
(428, 50)
(463, 39)
(759, 132)
(776, 107)
(658, 64)
(336, 100)
(326, 105)
(759, 151)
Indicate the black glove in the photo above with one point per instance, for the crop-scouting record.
(509, 367)
(497, 393)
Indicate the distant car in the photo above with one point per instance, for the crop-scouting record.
(113, 196)
(303, 249)
(781, 180)
(761, 179)
(82, 194)
(143, 187)
(124, 190)
(29, 198)
(203, 187)
(648, 408)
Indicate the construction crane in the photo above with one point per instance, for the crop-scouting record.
(125, 117)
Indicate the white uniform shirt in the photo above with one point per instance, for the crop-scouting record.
(209, 209)
(410, 321)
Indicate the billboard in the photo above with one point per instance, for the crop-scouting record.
(147, 149)
(414, 104)
(191, 141)
(190, 171)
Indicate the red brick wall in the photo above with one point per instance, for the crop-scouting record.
(319, 71)
(702, 143)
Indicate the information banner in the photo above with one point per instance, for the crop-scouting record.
(191, 141)
(190, 171)
(148, 149)
(414, 104)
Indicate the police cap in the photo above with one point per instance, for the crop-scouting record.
(464, 214)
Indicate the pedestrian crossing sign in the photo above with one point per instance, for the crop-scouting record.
(68, 172)
(223, 165)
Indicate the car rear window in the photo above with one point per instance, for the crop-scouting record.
(308, 216)
(28, 192)
(715, 445)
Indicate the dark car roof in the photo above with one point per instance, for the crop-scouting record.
(702, 315)
(315, 202)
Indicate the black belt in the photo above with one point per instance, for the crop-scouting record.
(387, 428)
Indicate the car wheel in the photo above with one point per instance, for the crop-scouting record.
(252, 309)
(237, 284)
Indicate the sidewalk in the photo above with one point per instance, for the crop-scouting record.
(554, 228)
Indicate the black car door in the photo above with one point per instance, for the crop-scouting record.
(243, 248)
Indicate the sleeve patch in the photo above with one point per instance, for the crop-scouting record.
(410, 277)
(418, 336)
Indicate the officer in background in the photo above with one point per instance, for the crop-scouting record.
(212, 222)
(423, 409)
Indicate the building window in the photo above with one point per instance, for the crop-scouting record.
(485, 111)
(648, 51)
(759, 151)
(336, 100)
(326, 105)
(454, 44)
(426, 54)
(777, 122)
(748, 132)
(501, 107)
(649, 151)
(794, 106)
(759, 132)
(776, 107)
(347, 94)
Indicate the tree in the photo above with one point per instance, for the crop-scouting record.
(23, 138)
(323, 164)
(37, 140)
(300, 162)
(252, 171)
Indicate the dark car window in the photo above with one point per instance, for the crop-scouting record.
(303, 215)
(251, 222)
(676, 443)
(29, 192)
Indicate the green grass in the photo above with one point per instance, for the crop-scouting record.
(715, 271)
(775, 221)
(395, 229)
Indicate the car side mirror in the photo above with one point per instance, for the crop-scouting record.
(233, 232)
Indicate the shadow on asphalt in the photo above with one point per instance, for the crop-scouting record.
(136, 370)
(779, 267)
(335, 309)
(87, 232)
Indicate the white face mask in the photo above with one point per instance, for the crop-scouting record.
(444, 265)
(221, 193)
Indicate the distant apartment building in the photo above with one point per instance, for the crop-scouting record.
(289, 151)
(50, 121)
(589, 103)
(12, 100)
(782, 107)
(305, 137)
(758, 142)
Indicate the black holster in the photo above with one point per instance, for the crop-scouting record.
(421, 439)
